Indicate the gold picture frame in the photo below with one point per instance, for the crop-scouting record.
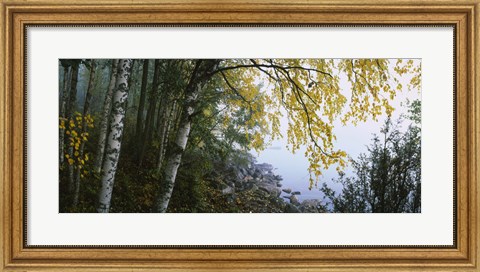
(18, 14)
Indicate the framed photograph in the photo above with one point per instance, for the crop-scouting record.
(239, 135)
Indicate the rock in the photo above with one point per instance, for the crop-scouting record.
(289, 208)
(293, 200)
(247, 178)
(311, 206)
(264, 167)
(240, 175)
(221, 185)
(269, 178)
(270, 188)
(252, 187)
(243, 171)
(228, 190)
(259, 188)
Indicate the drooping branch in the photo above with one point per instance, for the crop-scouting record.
(279, 72)
(274, 66)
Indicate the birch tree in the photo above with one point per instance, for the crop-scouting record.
(112, 152)
(69, 114)
(202, 72)
(67, 75)
(168, 119)
(107, 106)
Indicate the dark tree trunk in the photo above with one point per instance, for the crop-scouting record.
(146, 137)
(86, 110)
(141, 104)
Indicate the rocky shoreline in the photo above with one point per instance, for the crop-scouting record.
(264, 189)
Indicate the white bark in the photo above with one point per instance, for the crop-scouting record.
(65, 97)
(107, 106)
(113, 146)
(165, 134)
(174, 161)
(72, 96)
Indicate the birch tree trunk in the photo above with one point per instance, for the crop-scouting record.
(161, 117)
(67, 75)
(86, 110)
(141, 104)
(130, 84)
(73, 91)
(202, 72)
(165, 133)
(112, 152)
(68, 114)
(107, 107)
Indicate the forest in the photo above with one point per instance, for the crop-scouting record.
(177, 135)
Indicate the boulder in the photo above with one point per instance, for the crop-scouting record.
(251, 187)
(270, 188)
(289, 208)
(287, 190)
(264, 167)
(311, 206)
(228, 190)
(240, 175)
(269, 178)
(293, 200)
(243, 171)
(247, 178)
